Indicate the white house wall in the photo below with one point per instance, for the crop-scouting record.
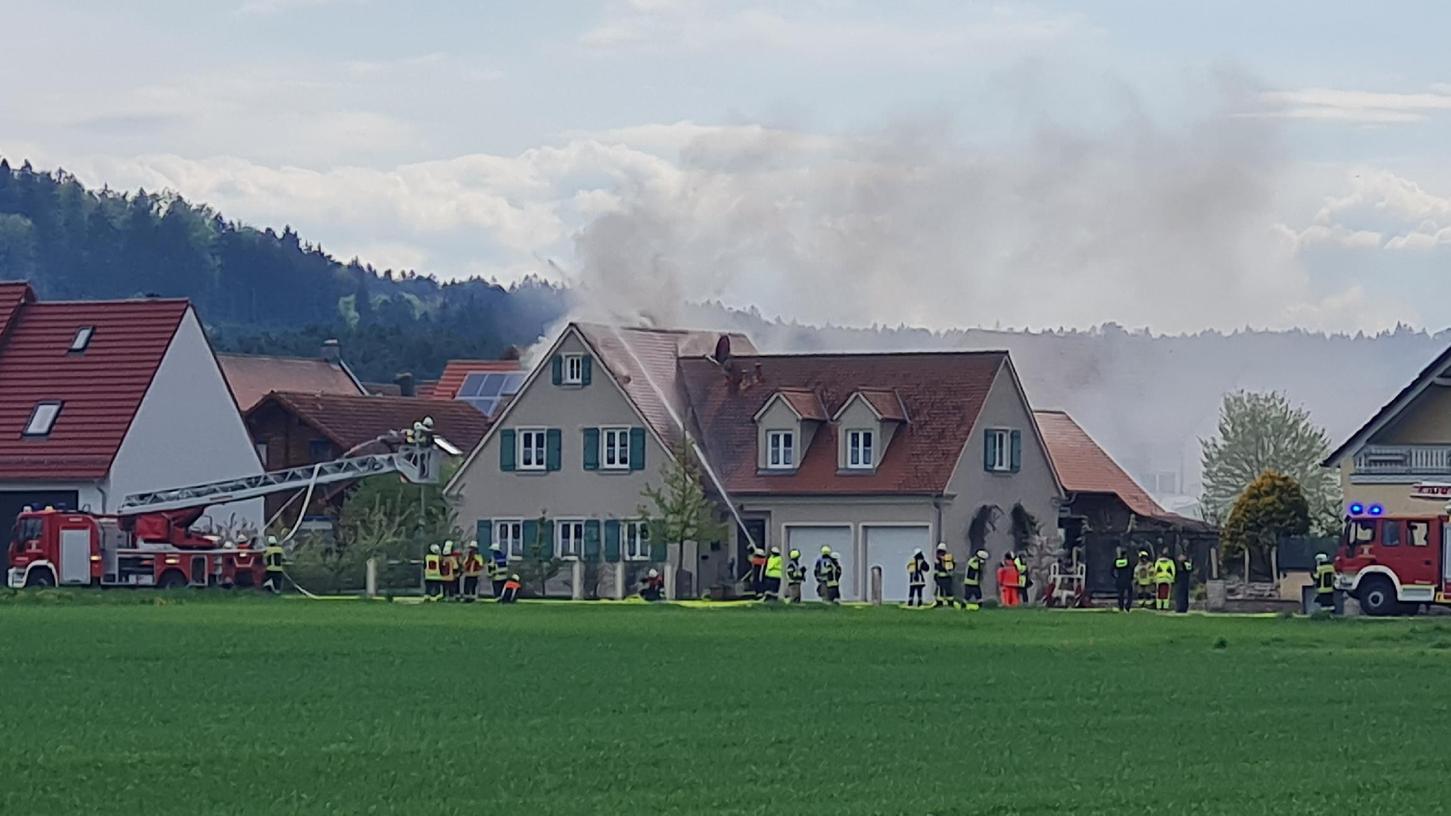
(188, 430)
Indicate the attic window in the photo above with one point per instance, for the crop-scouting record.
(42, 419)
(82, 338)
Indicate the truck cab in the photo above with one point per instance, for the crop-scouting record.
(1394, 564)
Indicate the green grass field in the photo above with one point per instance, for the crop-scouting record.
(278, 706)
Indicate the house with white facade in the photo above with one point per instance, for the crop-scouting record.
(103, 399)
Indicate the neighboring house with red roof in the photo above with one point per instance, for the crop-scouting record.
(293, 429)
(455, 371)
(873, 455)
(254, 376)
(103, 399)
(1106, 509)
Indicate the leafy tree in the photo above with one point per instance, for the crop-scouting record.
(679, 510)
(1271, 507)
(539, 563)
(1259, 432)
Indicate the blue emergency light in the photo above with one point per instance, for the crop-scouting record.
(1376, 510)
(1356, 509)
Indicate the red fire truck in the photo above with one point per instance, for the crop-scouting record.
(1394, 565)
(149, 541)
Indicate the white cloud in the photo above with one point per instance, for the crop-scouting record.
(1414, 218)
(269, 7)
(1340, 105)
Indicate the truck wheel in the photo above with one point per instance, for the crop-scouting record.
(171, 579)
(40, 579)
(1378, 597)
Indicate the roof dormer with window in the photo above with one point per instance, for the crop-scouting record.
(785, 426)
(865, 425)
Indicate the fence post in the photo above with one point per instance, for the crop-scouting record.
(619, 570)
(576, 580)
(370, 583)
(669, 580)
(874, 591)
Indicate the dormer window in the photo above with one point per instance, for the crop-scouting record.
(82, 339)
(573, 369)
(42, 419)
(780, 450)
(861, 449)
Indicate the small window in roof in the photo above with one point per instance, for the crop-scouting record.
(82, 338)
(42, 419)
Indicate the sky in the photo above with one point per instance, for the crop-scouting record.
(1177, 166)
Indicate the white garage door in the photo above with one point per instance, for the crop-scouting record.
(891, 548)
(810, 540)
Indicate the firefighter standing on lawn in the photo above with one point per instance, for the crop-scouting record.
(448, 571)
(822, 570)
(1144, 580)
(1024, 582)
(472, 567)
(773, 576)
(498, 568)
(273, 557)
(1123, 580)
(758, 571)
(795, 577)
(943, 565)
(1324, 583)
(916, 578)
(1164, 583)
(1183, 572)
(972, 580)
(432, 574)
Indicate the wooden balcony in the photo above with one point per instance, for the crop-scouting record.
(1403, 460)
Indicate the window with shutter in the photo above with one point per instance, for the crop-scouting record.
(637, 449)
(1015, 458)
(997, 456)
(507, 452)
(592, 540)
(592, 449)
(556, 370)
(616, 452)
(484, 533)
(553, 454)
(612, 541)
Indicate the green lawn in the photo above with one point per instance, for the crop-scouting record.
(277, 706)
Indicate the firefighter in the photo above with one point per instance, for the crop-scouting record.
(773, 575)
(1008, 580)
(1024, 582)
(1324, 583)
(498, 569)
(1144, 580)
(822, 571)
(448, 571)
(272, 557)
(472, 567)
(972, 580)
(1123, 580)
(1183, 572)
(916, 578)
(511, 589)
(834, 585)
(432, 574)
(795, 577)
(758, 570)
(652, 586)
(1163, 582)
(943, 565)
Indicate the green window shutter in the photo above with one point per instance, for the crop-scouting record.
(637, 449)
(531, 534)
(612, 540)
(585, 364)
(592, 540)
(553, 441)
(659, 548)
(484, 533)
(987, 450)
(1017, 446)
(556, 369)
(591, 448)
(507, 455)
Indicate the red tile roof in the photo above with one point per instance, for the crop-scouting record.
(942, 392)
(1084, 467)
(806, 404)
(12, 296)
(643, 362)
(886, 403)
(100, 389)
(253, 376)
(352, 420)
(455, 371)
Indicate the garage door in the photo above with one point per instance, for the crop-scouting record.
(891, 548)
(810, 540)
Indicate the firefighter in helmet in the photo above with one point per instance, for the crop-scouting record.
(432, 574)
(972, 580)
(1324, 583)
(273, 558)
(795, 577)
(652, 586)
(943, 565)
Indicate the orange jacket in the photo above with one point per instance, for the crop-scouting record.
(1008, 576)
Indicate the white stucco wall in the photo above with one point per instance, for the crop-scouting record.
(188, 430)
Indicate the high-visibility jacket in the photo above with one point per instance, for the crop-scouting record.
(1164, 571)
(498, 569)
(835, 577)
(1144, 574)
(511, 584)
(473, 565)
(1022, 571)
(795, 573)
(758, 557)
(944, 565)
(773, 567)
(1123, 573)
(1324, 579)
(973, 576)
(917, 572)
(272, 557)
(822, 569)
(431, 568)
(1183, 569)
(448, 569)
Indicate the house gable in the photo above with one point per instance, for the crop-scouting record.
(1436, 375)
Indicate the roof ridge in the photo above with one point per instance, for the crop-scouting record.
(805, 354)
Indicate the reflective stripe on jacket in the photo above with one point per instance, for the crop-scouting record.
(431, 568)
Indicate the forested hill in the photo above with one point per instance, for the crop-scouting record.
(256, 289)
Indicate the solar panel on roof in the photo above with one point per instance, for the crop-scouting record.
(484, 405)
(470, 386)
(512, 383)
(492, 385)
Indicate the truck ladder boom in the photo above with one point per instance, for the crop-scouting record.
(417, 465)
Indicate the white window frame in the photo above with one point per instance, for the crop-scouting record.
(560, 551)
(540, 462)
(861, 449)
(635, 540)
(777, 457)
(42, 418)
(511, 545)
(82, 339)
(621, 437)
(1001, 440)
(573, 370)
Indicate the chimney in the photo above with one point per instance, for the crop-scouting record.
(404, 382)
(332, 350)
(723, 349)
(511, 353)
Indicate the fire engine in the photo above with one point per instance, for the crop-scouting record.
(1395, 564)
(149, 542)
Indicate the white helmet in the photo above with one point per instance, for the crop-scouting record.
(1321, 558)
(433, 548)
(981, 554)
(494, 546)
(448, 546)
(428, 423)
(652, 573)
(917, 551)
(271, 541)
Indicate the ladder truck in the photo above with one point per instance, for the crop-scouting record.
(148, 541)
